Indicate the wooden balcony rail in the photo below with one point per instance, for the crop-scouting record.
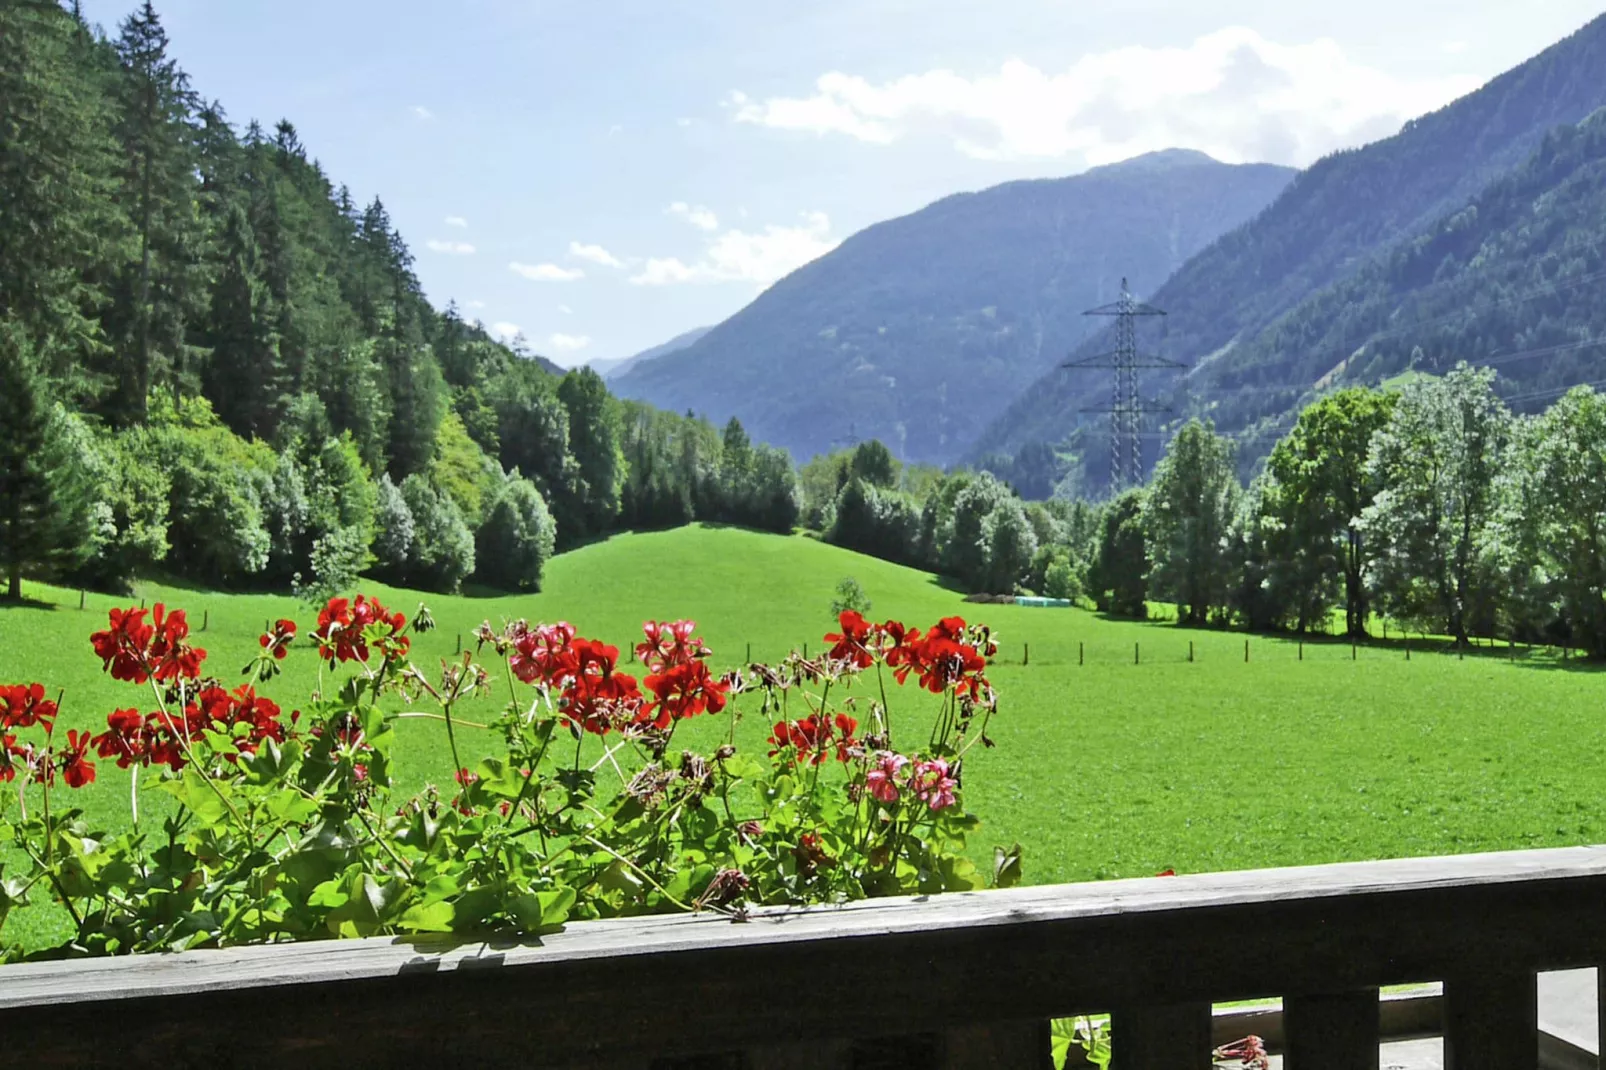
(955, 981)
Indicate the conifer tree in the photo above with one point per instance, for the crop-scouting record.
(59, 216)
(159, 293)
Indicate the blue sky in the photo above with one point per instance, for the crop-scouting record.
(603, 175)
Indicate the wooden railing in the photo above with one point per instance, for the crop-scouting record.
(952, 981)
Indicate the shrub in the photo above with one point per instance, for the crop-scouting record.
(1062, 580)
(849, 596)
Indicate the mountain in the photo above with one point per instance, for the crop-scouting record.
(1347, 210)
(919, 330)
(1512, 280)
(609, 369)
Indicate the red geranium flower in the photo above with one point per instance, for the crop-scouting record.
(76, 769)
(814, 735)
(682, 690)
(11, 756)
(135, 651)
(125, 738)
(597, 698)
(852, 643)
(669, 644)
(902, 648)
(543, 655)
(345, 629)
(277, 642)
(25, 705)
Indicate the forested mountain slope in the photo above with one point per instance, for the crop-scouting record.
(1330, 221)
(1514, 280)
(216, 363)
(920, 329)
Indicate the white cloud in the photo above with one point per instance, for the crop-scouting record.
(698, 216)
(743, 256)
(594, 253)
(546, 272)
(451, 248)
(664, 271)
(422, 112)
(1232, 93)
(505, 331)
(476, 304)
(568, 343)
(456, 221)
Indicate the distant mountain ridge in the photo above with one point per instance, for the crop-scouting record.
(919, 330)
(610, 369)
(1228, 307)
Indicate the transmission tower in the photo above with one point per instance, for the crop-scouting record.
(1126, 409)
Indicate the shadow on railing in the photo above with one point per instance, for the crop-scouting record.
(959, 981)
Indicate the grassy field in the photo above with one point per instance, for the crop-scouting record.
(1104, 768)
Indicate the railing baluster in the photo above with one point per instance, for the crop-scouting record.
(1174, 1037)
(1491, 1020)
(1332, 1032)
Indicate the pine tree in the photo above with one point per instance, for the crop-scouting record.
(160, 292)
(58, 216)
(30, 525)
(245, 377)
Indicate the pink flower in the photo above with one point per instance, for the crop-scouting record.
(882, 780)
(932, 785)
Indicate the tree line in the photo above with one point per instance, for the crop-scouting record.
(216, 364)
(1431, 503)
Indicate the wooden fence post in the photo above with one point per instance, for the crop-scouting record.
(459, 642)
(1134, 653)
(1081, 653)
(1026, 654)
(1190, 651)
(1246, 652)
(80, 599)
(1302, 648)
(1352, 650)
(206, 618)
(749, 653)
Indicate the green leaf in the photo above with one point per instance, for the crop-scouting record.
(1006, 867)
(542, 912)
(428, 918)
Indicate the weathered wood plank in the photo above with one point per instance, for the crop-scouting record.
(1336, 1031)
(629, 991)
(1154, 1037)
(1007, 1045)
(1491, 1019)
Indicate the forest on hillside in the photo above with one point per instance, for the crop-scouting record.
(215, 363)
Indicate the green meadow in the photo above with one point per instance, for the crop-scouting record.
(1103, 767)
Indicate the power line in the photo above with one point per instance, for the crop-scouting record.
(1126, 409)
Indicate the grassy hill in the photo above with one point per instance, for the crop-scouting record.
(1102, 769)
